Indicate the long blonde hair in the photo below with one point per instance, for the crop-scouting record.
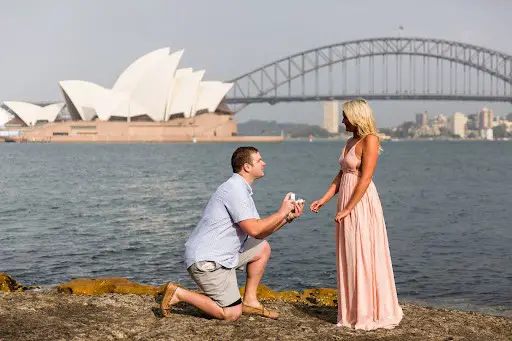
(360, 114)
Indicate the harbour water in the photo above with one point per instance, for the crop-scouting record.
(95, 210)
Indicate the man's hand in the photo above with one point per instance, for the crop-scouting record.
(287, 206)
(297, 212)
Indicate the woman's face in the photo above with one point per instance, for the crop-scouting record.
(348, 126)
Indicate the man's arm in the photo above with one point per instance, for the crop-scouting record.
(262, 228)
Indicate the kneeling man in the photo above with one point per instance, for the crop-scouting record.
(229, 236)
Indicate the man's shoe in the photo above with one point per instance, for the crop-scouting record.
(170, 290)
(260, 311)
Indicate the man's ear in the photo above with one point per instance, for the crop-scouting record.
(246, 167)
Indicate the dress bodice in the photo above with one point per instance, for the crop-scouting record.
(350, 163)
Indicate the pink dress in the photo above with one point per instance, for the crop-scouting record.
(366, 287)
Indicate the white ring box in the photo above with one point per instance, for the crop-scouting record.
(298, 201)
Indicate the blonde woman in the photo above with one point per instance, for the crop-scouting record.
(366, 288)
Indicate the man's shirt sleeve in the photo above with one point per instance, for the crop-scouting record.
(240, 206)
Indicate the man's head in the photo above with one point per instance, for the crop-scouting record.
(248, 161)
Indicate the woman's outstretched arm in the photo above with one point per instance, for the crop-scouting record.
(331, 191)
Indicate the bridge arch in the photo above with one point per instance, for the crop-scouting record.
(268, 78)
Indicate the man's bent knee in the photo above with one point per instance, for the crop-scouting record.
(265, 249)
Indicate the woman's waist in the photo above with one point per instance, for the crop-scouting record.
(353, 177)
(355, 172)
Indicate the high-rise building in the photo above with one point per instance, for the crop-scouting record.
(440, 121)
(458, 124)
(473, 122)
(485, 118)
(487, 134)
(422, 119)
(331, 117)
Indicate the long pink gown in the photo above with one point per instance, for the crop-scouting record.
(366, 287)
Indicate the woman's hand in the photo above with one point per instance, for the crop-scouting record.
(316, 205)
(341, 215)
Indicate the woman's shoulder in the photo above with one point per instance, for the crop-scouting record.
(371, 138)
(371, 142)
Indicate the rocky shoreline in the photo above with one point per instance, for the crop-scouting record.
(117, 309)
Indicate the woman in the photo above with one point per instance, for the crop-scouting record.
(366, 287)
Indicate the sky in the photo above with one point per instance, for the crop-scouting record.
(44, 42)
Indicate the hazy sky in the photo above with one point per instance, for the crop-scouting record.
(44, 41)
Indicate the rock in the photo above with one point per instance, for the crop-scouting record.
(115, 285)
(291, 296)
(8, 284)
(57, 316)
(321, 296)
(263, 292)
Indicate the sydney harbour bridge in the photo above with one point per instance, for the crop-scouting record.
(391, 68)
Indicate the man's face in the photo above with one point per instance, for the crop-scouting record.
(257, 168)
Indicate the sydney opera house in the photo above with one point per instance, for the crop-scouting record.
(152, 100)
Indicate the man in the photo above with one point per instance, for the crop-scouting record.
(229, 236)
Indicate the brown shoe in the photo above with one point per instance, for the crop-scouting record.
(170, 290)
(260, 311)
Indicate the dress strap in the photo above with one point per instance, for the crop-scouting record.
(355, 144)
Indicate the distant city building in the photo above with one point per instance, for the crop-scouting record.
(485, 119)
(331, 117)
(458, 124)
(422, 119)
(487, 134)
(426, 131)
(473, 121)
(440, 121)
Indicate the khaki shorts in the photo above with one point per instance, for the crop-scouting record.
(220, 283)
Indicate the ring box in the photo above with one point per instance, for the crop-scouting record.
(298, 201)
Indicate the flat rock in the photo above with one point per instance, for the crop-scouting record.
(39, 316)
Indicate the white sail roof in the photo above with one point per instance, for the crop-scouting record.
(92, 100)
(154, 86)
(5, 117)
(30, 113)
(85, 96)
(176, 79)
(128, 80)
(210, 95)
(27, 112)
(50, 112)
(185, 93)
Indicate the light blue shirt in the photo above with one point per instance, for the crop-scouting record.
(218, 237)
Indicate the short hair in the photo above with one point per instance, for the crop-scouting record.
(241, 156)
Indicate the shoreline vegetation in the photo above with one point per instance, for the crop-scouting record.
(118, 309)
